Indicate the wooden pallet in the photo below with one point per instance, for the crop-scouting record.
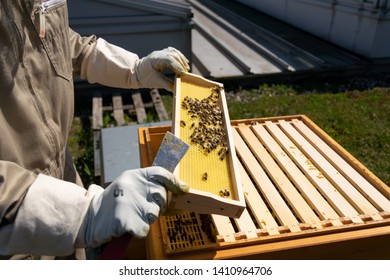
(306, 197)
(115, 105)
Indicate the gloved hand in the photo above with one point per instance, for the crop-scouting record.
(128, 205)
(149, 70)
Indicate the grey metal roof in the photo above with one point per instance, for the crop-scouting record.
(230, 39)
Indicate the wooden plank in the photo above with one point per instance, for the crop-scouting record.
(149, 146)
(97, 110)
(361, 244)
(338, 180)
(274, 199)
(224, 227)
(96, 152)
(159, 105)
(246, 225)
(256, 204)
(97, 124)
(139, 107)
(367, 189)
(118, 108)
(306, 188)
(284, 185)
(333, 196)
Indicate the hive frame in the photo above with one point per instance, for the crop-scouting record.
(204, 201)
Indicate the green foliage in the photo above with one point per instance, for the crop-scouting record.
(81, 145)
(108, 119)
(168, 103)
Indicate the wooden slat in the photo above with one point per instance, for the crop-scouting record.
(258, 208)
(159, 105)
(342, 184)
(96, 152)
(97, 110)
(367, 189)
(125, 107)
(118, 108)
(97, 124)
(337, 201)
(310, 193)
(139, 107)
(246, 225)
(274, 199)
(224, 227)
(364, 244)
(284, 185)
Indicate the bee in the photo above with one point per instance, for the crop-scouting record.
(223, 152)
(183, 123)
(192, 136)
(205, 176)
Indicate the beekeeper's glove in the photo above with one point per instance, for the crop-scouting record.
(113, 66)
(56, 216)
(129, 205)
(149, 70)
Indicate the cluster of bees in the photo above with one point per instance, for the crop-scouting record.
(206, 123)
(224, 193)
(207, 226)
(181, 230)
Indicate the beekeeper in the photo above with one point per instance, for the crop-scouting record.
(43, 209)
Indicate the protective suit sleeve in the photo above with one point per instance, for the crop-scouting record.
(81, 47)
(114, 66)
(56, 216)
(48, 219)
(109, 65)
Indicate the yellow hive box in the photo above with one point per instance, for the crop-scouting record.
(210, 165)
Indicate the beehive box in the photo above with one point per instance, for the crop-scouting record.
(306, 197)
(210, 166)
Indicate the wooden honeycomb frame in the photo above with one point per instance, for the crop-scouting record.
(205, 195)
